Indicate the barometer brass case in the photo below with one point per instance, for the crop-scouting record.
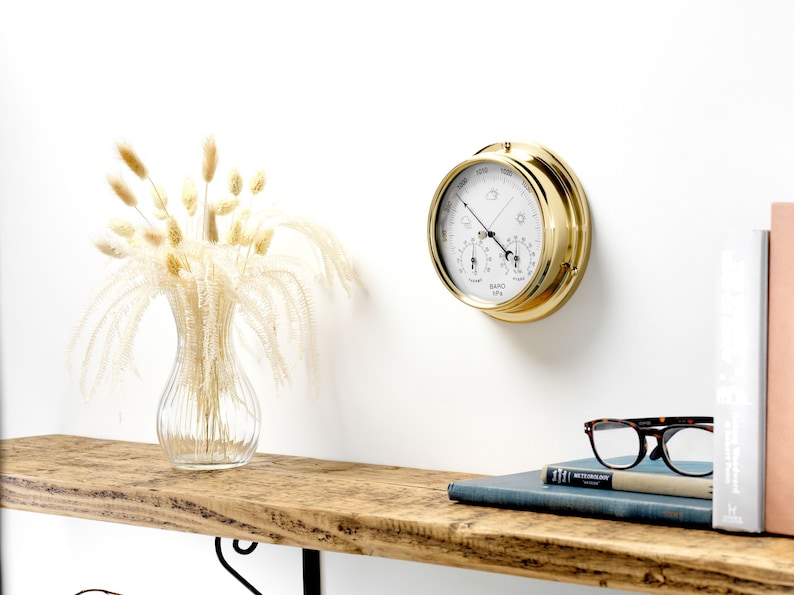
(509, 231)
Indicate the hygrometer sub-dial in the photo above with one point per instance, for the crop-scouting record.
(520, 258)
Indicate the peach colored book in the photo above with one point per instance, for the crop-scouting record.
(780, 381)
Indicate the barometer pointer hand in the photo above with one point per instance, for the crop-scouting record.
(507, 252)
(488, 232)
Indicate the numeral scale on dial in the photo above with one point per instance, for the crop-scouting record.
(490, 217)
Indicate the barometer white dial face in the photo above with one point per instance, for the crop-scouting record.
(489, 232)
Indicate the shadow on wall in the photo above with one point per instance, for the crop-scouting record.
(566, 335)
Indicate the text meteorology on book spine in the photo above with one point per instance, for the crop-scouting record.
(667, 484)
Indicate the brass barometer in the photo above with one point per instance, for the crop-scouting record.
(509, 231)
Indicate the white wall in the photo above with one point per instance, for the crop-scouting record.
(677, 117)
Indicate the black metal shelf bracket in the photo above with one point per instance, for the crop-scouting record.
(311, 567)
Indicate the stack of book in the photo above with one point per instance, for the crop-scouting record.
(753, 414)
(649, 492)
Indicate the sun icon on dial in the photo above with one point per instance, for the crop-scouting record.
(521, 218)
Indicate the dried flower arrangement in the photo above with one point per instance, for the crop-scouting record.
(219, 259)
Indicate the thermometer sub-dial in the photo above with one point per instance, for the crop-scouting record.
(520, 258)
(473, 259)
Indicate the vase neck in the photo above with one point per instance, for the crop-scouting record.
(203, 314)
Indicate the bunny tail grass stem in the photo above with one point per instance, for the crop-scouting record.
(149, 223)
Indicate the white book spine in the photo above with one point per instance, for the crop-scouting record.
(740, 407)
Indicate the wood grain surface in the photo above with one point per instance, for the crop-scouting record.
(393, 512)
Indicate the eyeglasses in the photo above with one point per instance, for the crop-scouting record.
(685, 444)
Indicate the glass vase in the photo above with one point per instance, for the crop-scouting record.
(208, 417)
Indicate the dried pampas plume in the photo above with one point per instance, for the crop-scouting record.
(109, 248)
(211, 231)
(173, 264)
(235, 232)
(226, 206)
(174, 232)
(153, 236)
(189, 197)
(132, 160)
(210, 160)
(122, 228)
(258, 182)
(123, 191)
(262, 241)
(235, 182)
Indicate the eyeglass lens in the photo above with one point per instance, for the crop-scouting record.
(688, 448)
(619, 445)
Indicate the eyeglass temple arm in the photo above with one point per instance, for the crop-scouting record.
(656, 421)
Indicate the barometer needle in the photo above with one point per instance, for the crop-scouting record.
(487, 231)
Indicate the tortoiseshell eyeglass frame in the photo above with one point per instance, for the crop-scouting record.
(661, 428)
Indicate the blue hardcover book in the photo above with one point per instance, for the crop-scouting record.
(526, 491)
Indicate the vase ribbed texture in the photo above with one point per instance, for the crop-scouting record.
(208, 416)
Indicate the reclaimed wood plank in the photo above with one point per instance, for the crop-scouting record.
(379, 510)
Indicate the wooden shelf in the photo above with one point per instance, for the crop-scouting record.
(393, 512)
